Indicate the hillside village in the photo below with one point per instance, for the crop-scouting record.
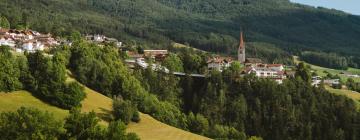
(31, 41)
(27, 40)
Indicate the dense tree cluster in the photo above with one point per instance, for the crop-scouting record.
(249, 106)
(11, 70)
(329, 60)
(44, 76)
(28, 123)
(100, 68)
(47, 80)
(352, 85)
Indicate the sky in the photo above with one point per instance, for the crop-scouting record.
(349, 6)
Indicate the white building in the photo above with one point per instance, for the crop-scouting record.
(219, 63)
(7, 42)
(316, 80)
(32, 46)
(28, 46)
(271, 71)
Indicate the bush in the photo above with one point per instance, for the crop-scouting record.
(197, 124)
(225, 132)
(125, 111)
(72, 96)
(83, 126)
(132, 136)
(136, 117)
(117, 131)
(28, 123)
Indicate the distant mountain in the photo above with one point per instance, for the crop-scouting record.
(211, 25)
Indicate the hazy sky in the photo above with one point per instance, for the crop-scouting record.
(350, 6)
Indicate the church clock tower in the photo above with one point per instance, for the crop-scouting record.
(241, 50)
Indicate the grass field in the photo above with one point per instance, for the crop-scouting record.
(348, 93)
(351, 94)
(14, 100)
(321, 71)
(148, 128)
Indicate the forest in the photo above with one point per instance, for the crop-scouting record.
(210, 25)
(221, 106)
(328, 60)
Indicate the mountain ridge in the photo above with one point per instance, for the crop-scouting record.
(208, 25)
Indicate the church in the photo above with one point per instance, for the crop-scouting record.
(241, 50)
(255, 65)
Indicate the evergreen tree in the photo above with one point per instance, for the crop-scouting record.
(4, 23)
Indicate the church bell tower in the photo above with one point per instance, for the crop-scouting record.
(241, 50)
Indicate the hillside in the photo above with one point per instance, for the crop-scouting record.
(147, 129)
(211, 25)
(321, 71)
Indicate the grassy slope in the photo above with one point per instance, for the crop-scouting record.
(352, 94)
(13, 101)
(320, 71)
(348, 93)
(147, 129)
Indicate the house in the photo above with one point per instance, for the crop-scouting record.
(134, 55)
(153, 53)
(7, 41)
(290, 74)
(276, 67)
(316, 81)
(47, 40)
(219, 63)
(332, 82)
(32, 46)
(253, 61)
(99, 38)
(271, 71)
(28, 46)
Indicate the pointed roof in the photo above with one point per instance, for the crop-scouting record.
(242, 43)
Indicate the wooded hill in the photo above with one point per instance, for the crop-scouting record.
(211, 25)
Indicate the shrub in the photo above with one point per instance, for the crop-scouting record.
(28, 123)
(136, 117)
(72, 96)
(83, 126)
(198, 124)
(125, 111)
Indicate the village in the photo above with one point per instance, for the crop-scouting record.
(31, 41)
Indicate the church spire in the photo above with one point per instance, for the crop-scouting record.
(242, 43)
(241, 50)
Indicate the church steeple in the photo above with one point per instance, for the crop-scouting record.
(242, 44)
(241, 50)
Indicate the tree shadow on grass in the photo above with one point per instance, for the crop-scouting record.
(105, 114)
